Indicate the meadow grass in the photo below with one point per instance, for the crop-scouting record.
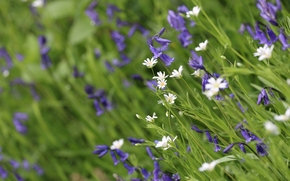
(64, 125)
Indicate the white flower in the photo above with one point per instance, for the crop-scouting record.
(264, 52)
(283, 117)
(195, 11)
(5, 73)
(117, 144)
(209, 94)
(167, 114)
(202, 46)
(161, 83)
(177, 73)
(38, 3)
(151, 119)
(198, 73)
(208, 166)
(272, 128)
(165, 143)
(288, 81)
(161, 76)
(170, 98)
(215, 84)
(150, 62)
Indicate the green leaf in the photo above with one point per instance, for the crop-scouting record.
(59, 9)
(81, 29)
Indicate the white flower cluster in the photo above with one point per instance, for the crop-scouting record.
(161, 80)
(213, 86)
(165, 143)
(117, 144)
(195, 11)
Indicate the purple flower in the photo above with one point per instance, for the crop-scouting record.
(176, 177)
(3, 173)
(89, 89)
(209, 138)
(269, 10)
(97, 53)
(245, 134)
(109, 66)
(151, 84)
(101, 150)
(45, 60)
(246, 26)
(145, 173)
(175, 21)
(4, 54)
(228, 148)
(110, 11)
(166, 177)
(217, 147)
(38, 169)
(18, 119)
(19, 57)
(150, 153)
(195, 128)
(18, 177)
(114, 158)
(260, 35)
(99, 110)
(263, 96)
(204, 81)
(33, 92)
(76, 72)
(195, 61)
(119, 39)
(135, 140)
(130, 169)
(242, 147)
(25, 164)
(272, 35)
(123, 156)
(185, 38)
(14, 164)
(283, 39)
(92, 14)
(261, 149)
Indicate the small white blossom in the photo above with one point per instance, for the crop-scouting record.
(202, 46)
(151, 118)
(167, 114)
(170, 98)
(283, 117)
(117, 144)
(198, 73)
(215, 84)
(177, 73)
(209, 94)
(37, 3)
(272, 128)
(195, 11)
(5, 73)
(208, 166)
(150, 62)
(264, 52)
(161, 76)
(161, 84)
(165, 143)
(288, 81)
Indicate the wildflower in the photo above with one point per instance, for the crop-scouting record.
(114, 157)
(209, 94)
(272, 35)
(214, 85)
(195, 11)
(283, 39)
(150, 84)
(195, 61)
(208, 166)
(3, 173)
(110, 11)
(38, 169)
(195, 128)
(150, 63)
(245, 134)
(151, 118)
(165, 143)
(261, 149)
(264, 52)
(123, 156)
(4, 54)
(117, 144)
(177, 73)
(217, 147)
(38, 3)
(202, 46)
(101, 150)
(76, 72)
(25, 165)
(228, 148)
(263, 96)
(45, 60)
(209, 138)
(119, 39)
(260, 35)
(170, 98)
(135, 141)
(185, 38)
(283, 117)
(161, 84)
(99, 110)
(18, 119)
(92, 14)
(150, 153)
(269, 10)
(145, 173)
(176, 177)
(161, 76)
(130, 169)
(271, 128)
(242, 147)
